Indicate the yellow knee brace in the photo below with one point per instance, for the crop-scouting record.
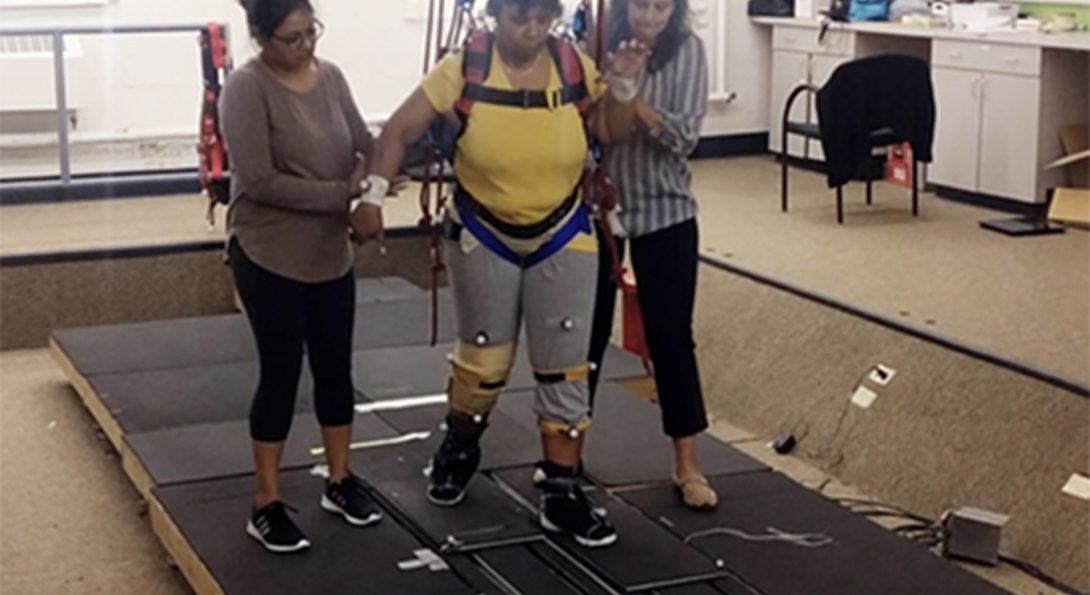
(572, 374)
(478, 374)
(549, 427)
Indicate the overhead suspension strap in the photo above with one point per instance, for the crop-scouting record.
(605, 192)
(605, 196)
(433, 198)
(212, 164)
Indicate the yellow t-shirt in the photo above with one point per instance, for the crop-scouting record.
(519, 163)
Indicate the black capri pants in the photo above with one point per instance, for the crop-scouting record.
(665, 263)
(285, 316)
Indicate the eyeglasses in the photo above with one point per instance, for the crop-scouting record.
(296, 40)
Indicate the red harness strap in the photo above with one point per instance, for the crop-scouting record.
(432, 204)
(605, 192)
(211, 151)
(432, 198)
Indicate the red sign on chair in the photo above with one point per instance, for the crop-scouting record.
(899, 164)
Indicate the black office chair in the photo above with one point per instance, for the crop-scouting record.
(867, 103)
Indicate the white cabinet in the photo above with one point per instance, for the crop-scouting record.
(799, 56)
(957, 128)
(988, 100)
(1008, 143)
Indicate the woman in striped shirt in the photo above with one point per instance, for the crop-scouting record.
(658, 216)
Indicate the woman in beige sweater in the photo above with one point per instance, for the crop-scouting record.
(297, 145)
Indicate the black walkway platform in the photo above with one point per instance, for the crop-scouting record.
(173, 398)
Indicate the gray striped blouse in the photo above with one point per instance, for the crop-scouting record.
(651, 170)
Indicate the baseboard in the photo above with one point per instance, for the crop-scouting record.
(994, 203)
(95, 254)
(99, 186)
(732, 145)
(131, 252)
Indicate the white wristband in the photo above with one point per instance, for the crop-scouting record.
(614, 223)
(374, 190)
(622, 89)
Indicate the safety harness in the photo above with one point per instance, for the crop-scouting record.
(579, 222)
(213, 167)
(477, 62)
(441, 141)
(475, 217)
(598, 193)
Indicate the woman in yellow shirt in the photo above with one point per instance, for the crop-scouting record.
(518, 241)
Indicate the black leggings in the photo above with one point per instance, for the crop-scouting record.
(284, 315)
(665, 264)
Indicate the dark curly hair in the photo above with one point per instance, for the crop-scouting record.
(669, 41)
(265, 16)
(553, 7)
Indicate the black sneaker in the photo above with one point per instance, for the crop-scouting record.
(565, 508)
(451, 469)
(272, 528)
(349, 498)
(539, 477)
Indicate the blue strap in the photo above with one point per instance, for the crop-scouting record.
(484, 235)
(578, 222)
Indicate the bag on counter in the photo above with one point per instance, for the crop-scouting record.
(900, 8)
(771, 8)
(868, 10)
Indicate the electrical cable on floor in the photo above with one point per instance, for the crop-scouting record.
(932, 536)
(914, 527)
(894, 514)
(1039, 574)
(801, 430)
(774, 534)
(928, 535)
(868, 502)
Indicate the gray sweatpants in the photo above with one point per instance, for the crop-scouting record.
(555, 300)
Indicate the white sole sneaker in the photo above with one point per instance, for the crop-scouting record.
(446, 503)
(331, 506)
(252, 531)
(442, 503)
(583, 541)
(539, 481)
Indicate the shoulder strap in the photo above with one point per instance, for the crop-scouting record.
(572, 76)
(213, 163)
(476, 63)
(477, 59)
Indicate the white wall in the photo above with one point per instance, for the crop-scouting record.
(130, 83)
(135, 85)
(152, 82)
(380, 46)
(745, 66)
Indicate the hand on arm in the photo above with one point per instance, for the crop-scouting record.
(620, 105)
(408, 124)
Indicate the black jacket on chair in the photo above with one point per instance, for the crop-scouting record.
(862, 96)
